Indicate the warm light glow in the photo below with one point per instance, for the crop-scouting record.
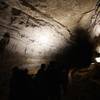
(44, 36)
(98, 49)
(97, 59)
(96, 30)
(42, 41)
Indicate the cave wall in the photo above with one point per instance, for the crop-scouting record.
(27, 20)
(26, 26)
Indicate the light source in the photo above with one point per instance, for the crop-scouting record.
(42, 41)
(96, 30)
(44, 37)
(98, 49)
(97, 59)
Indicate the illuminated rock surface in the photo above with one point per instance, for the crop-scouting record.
(39, 27)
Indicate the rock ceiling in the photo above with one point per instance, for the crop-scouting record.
(38, 29)
(67, 12)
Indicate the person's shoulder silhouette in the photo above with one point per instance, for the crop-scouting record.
(4, 41)
(41, 70)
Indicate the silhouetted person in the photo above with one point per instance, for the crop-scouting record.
(79, 53)
(4, 42)
(52, 81)
(20, 85)
(47, 83)
(41, 70)
(40, 84)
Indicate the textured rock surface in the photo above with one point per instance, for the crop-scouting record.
(31, 21)
(29, 29)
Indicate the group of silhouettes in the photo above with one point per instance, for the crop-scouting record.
(50, 83)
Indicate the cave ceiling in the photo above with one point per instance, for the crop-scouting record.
(39, 29)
